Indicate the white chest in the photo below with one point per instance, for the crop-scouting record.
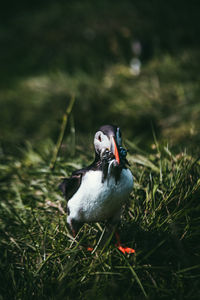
(96, 201)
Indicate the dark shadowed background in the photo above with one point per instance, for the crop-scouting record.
(134, 63)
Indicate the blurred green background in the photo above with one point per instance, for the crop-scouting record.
(132, 63)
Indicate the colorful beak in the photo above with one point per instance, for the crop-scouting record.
(115, 150)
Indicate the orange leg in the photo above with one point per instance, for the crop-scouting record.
(121, 248)
(90, 249)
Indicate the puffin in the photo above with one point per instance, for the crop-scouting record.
(98, 193)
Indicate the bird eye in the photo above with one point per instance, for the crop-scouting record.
(99, 138)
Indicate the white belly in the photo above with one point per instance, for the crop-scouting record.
(96, 201)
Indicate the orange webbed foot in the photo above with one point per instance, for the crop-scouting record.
(126, 250)
(90, 249)
(121, 248)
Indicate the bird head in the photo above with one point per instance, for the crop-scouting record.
(108, 137)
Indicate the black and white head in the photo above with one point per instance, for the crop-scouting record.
(108, 137)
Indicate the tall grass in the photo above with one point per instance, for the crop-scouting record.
(54, 58)
(41, 260)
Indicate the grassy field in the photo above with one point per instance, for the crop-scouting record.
(41, 260)
(64, 48)
(158, 113)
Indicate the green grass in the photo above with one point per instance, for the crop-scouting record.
(40, 259)
(85, 49)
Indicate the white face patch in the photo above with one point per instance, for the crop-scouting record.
(101, 141)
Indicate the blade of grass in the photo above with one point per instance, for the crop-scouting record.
(97, 244)
(141, 160)
(135, 276)
(188, 269)
(62, 131)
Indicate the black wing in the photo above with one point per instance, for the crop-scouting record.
(70, 185)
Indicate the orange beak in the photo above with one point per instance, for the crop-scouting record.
(115, 151)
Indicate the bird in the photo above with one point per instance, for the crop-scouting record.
(98, 192)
